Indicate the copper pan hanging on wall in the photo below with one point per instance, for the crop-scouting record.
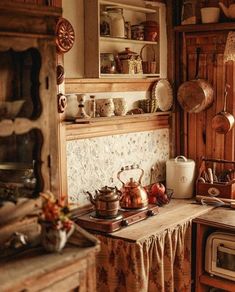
(195, 95)
(223, 121)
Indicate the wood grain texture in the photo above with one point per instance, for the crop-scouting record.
(108, 85)
(41, 271)
(200, 138)
(98, 127)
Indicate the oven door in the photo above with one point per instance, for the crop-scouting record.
(221, 260)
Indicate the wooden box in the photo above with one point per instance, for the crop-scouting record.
(220, 190)
(216, 179)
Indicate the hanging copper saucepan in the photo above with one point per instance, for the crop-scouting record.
(223, 121)
(195, 95)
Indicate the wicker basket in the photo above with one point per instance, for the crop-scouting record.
(149, 67)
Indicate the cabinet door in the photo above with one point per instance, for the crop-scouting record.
(28, 114)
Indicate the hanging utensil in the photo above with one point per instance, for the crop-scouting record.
(223, 121)
(195, 95)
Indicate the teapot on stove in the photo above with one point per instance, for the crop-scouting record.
(106, 202)
(134, 195)
(228, 11)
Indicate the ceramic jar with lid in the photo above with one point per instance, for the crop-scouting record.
(151, 31)
(127, 54)
(180, 176)
(117, 22)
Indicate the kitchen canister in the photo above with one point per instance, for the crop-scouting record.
(180, 176)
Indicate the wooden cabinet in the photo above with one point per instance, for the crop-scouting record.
(134, 14)
(74, 269)
(29, 118)
(219, 219)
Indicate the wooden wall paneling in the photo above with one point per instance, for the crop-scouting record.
(201, 117)
(211, 70)
(192, 118)
(229, 147)
(178, 120)
(199, 137)
(218, 147)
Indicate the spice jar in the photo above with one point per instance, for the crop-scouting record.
(105, 23)
(117, 22)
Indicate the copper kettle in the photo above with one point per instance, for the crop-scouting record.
(106, 202)
(134, 196)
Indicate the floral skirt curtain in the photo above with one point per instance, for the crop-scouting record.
(160, 263)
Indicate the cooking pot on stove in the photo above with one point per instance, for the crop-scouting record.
(134, 196)
(106, 202)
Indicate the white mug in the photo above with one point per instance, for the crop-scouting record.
(210, 14)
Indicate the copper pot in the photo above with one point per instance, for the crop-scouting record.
(106, 202)
(223, 121)
(134, 196)
(195, 95)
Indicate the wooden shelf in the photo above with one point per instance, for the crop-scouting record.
(97, 127)
(217, 282)
(122, 40)
(129, 75)
(205, 27)
(113, 84)
(128, 7)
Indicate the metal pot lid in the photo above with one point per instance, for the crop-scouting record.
(123, 55)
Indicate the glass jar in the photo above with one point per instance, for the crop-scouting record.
(117, 22)
(105, 23)
(108, 65)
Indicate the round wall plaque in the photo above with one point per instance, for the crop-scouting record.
(65, 36)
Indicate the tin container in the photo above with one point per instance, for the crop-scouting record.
(180, 176)
(137, 32)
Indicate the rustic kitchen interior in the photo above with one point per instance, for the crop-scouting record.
(117, 148)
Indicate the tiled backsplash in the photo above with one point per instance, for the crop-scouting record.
(94, 163)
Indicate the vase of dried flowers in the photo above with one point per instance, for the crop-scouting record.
(57, 227)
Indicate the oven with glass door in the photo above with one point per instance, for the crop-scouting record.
(220, 255)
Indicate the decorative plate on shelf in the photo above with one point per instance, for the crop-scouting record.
(65, 36)
(162, 92)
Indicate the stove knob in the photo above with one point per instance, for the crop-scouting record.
(150, 213)
(125, 222)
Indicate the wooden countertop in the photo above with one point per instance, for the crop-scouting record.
(175, 213)
(218, 217)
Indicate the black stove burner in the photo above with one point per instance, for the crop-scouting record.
(93, 215)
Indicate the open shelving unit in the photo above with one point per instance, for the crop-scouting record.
(96, 44)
